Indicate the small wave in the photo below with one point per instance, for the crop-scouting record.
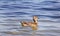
(51, 16)
(48, 9)
(14, 7)
(16, 13)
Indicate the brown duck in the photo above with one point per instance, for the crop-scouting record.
(33, 24)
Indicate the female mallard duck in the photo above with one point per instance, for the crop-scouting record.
(33, 24)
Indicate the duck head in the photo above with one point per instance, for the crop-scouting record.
(35, 19)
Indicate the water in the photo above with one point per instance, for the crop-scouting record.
(14, 11)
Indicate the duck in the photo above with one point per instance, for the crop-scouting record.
(33, 24)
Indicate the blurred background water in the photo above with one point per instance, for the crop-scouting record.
(14, 11)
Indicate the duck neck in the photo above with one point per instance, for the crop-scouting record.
(35, 21)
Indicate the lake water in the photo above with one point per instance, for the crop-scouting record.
(14, 11)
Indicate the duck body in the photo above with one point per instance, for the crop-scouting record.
(33, 24)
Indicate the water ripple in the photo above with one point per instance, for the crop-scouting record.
(48, 9)
(16, 13)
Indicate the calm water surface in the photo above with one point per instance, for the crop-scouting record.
(12, 12)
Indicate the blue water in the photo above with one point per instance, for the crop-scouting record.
(14, 11)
